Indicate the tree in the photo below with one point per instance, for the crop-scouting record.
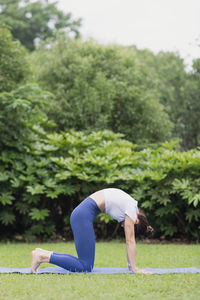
(13, 64)
(32, 21)
(178, 92)
(191, 108)
(101, 87)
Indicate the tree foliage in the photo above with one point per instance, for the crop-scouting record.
(190, 114)
(14, 67)
(30, 21)
(98, 87)
(178, 91)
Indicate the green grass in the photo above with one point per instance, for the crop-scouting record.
(99, 286)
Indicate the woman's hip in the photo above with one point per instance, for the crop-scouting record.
(86, 210)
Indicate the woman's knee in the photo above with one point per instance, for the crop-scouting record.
(87, 267)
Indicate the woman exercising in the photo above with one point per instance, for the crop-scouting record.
(116, 203)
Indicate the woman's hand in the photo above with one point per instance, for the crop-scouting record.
(138, 270)
(141, 271)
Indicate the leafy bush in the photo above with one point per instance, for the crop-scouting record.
(170, 191)
(44, 175)
(21, 120)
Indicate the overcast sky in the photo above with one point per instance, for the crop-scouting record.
(169, 25)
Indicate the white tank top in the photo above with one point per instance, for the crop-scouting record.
(118, 203)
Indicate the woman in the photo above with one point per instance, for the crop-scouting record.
(116, 203)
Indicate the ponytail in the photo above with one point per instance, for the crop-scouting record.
(142, 228)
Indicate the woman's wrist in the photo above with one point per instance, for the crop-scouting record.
(134, 269)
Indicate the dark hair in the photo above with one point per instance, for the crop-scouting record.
(143, 227)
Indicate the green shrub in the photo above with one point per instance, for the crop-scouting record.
(21, 120)
(44, 175)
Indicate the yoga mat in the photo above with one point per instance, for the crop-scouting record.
(59, 270)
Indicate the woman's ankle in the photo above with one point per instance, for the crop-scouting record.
(43, 255)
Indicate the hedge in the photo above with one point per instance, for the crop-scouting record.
(45, 174)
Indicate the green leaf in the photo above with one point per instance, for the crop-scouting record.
(147, 204)
(15, 182)
(50, 183)
(105, 218)
(164, 200)
(6, 198)
(37, 189)
(7, 217)
(60, 189)
(195, 200)
(181, 184)
(23, 208)
(38, 214)
(31, 199)
(63, 175)
(193, 215)
(4, 176)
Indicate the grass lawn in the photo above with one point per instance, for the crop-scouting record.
(99, 286)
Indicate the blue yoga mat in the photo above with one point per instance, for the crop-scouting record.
(59, 270)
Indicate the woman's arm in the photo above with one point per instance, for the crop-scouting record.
(130, 242)
(131, 245)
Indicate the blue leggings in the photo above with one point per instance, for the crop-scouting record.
(81, 221)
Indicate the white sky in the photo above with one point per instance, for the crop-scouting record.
(168, 25)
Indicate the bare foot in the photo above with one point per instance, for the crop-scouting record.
(38, 256)
(35, 260)
(45, 254)
(40, 249)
